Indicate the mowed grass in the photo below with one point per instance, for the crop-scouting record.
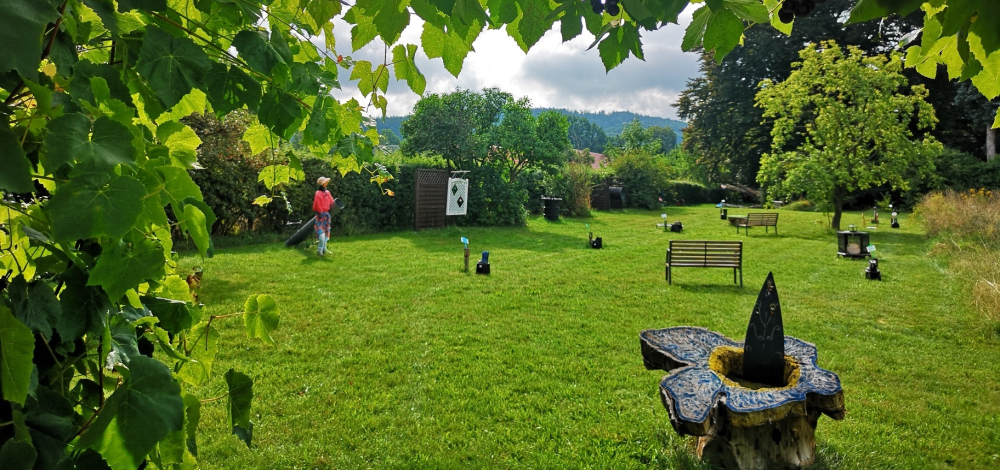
(388, 356)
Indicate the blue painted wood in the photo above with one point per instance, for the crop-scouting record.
(694, 389)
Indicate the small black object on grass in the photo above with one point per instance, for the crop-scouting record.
(871, 272)
(483, 265)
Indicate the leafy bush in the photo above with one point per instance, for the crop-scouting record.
(692, 193)
(801, 205)
(645, 177)
(494, 201)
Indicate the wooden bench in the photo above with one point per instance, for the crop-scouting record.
(759, 219)
(705, 254)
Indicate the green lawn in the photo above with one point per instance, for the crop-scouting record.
(388, 356)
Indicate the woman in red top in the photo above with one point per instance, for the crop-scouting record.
(321, 206)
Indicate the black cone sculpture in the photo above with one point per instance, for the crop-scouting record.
(764, 346)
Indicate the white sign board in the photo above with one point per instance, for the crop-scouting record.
(458, 196)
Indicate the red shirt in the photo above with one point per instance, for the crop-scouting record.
(322, 201)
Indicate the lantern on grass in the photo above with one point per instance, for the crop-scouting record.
(664, 217)
(871, 272)
(723, 212)
(852, 243)
(895, 219)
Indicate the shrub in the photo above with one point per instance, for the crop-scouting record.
(969, 225)
(494, 201)
(800, 205)
(645, 177)
(693, 193)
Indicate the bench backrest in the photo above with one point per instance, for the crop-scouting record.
(763, 218)
(705, 251)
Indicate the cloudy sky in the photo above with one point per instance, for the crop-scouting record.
(553, 74)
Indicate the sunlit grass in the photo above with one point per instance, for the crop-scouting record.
(388, 356)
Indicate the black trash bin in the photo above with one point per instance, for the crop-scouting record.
(551, 210)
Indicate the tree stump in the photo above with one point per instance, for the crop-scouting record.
(740, 424)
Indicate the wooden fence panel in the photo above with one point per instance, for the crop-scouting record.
(430, 199)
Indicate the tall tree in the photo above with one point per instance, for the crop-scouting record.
(843, 122)
(725, 129)
(666, 136)
(585, 134)
(491, 127)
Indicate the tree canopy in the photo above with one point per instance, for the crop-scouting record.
(585, 134)
(843, 122)
(488, 128)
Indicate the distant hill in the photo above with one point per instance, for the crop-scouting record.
(612, 123)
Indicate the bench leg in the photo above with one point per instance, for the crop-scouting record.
(734, 275)
(767, 229)
(670, 279)
(741, 277)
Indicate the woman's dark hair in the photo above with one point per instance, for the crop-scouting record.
(321, 188)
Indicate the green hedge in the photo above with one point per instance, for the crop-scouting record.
(693, 193)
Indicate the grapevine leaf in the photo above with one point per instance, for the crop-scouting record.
(615, 48)
(750, 10)
(239, 399)
(22, 27)
(570, 26)
(123, 266)
(306, 78)
(18, 455)
(177, 185)
(259, 138)
(262, 201)
(205, 345)
(210, 218)
(85, 309)
(84, 208)
(280, 112)
(35, 305)
(50, 422)
(364, 30)
(124, 345)
(105, 9)
(391, 18)
(72, 138)
(258, 53)
(871, 9)
(171, 66)
(715, 5)
(16, 174)
(696, 30)
(450, 47)
(152, 5)
(260, 315)
(174, 315)
(273, 175)
(318, 129)
(531, 24)
(193, 409)
(996, 122)
(230, 88)
(182, 142)
(17, 346)
(196, 226)
(280, 44)
(723, 33)
(322, 11)
(137, 415)
(406, 68)
(81, 89)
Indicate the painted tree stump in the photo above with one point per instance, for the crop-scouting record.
(742, 424)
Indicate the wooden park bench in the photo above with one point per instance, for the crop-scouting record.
(759, 219)
(705, 254)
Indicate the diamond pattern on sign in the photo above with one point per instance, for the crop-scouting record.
(458, 195)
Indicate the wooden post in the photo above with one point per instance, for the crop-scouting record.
(466, 260)
(991, 142)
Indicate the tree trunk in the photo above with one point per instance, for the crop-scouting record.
(838, 209)
(991, 142)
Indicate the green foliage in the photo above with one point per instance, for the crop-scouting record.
(852, 133)
(644, 176)
(801, 205)
(687, 193)
(585, 134)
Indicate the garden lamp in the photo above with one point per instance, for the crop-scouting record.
(664, 217)
(895, 219)
(723, 212)
(483, 265)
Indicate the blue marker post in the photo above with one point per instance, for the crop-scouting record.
(465, 241)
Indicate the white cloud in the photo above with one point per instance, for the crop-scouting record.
(552, 74)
